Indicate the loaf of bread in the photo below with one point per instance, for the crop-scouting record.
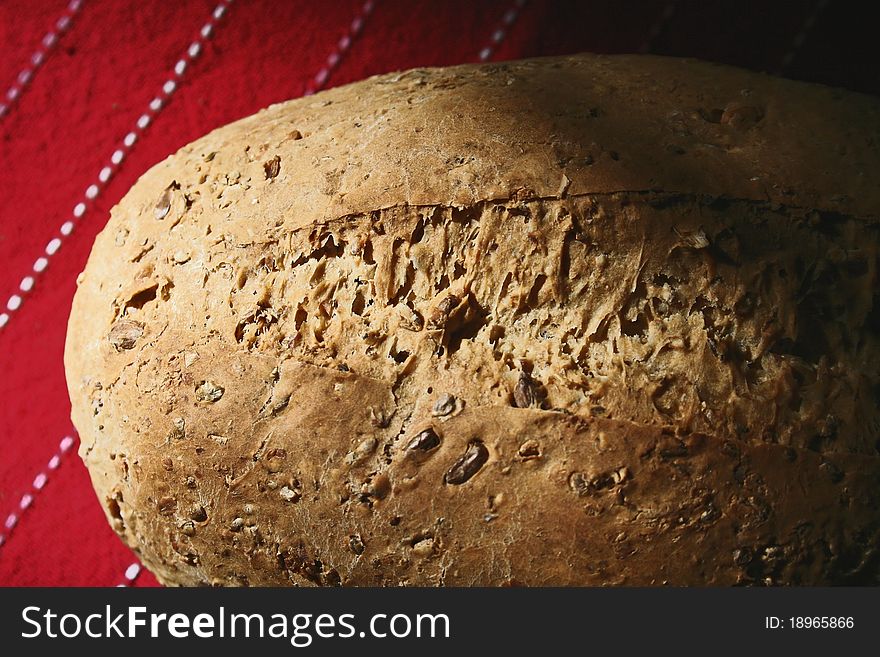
(572, 321)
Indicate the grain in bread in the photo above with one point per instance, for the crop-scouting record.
(583, 320)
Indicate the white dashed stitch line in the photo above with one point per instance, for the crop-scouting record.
(92, 192)
(134, 570)
(39, 57)
(658, 26)
(500, 32)
(799, 38)
(342, 47)
(131, 574)
(27, 499)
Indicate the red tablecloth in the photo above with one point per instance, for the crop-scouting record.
(94, 92)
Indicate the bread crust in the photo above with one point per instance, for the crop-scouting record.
(570, 321)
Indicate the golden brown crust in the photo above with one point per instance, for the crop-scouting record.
(586, 320)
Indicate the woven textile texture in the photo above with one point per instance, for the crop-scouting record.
(94, 92)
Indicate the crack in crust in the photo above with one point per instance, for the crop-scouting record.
(709, 324)
(293, 362)
(723, 326)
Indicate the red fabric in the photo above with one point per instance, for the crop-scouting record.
(114, 57)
